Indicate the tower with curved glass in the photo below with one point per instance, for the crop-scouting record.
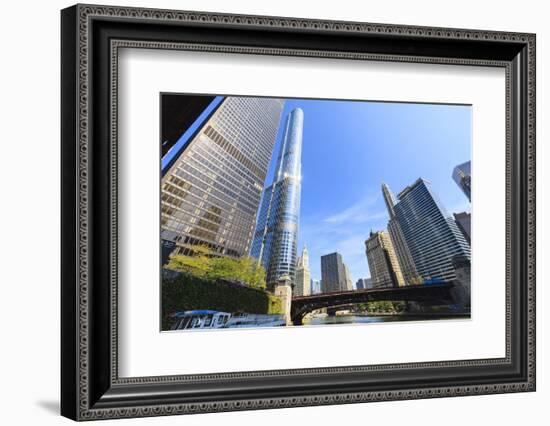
(275, 241)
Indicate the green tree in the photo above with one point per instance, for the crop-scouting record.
(400, 306)
(224, 268)
(417, 280)
(197, 265)
(203, 264)
(252, 272)
(381, 307)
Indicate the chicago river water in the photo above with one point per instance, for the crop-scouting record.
(353, 319)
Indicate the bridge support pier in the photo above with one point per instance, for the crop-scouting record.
(283, 290)
(331, 312)
(298, 320)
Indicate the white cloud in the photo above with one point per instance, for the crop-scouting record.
(359, 212)
(345, 232)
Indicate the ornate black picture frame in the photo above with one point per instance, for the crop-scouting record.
(91, 36)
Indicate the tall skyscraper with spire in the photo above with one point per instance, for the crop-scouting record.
(302, 284)
(211, 191)
(404, 257)
(275, 240)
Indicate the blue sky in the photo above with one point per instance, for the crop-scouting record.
(350, 148)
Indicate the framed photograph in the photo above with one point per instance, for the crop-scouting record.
(263, 212)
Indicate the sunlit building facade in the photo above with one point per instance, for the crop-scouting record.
(348, 279)
(383, 265)
(431, 234)
(275, 241)
(211, 192)
(302, 284)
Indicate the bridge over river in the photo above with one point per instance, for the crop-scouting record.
(434, 294)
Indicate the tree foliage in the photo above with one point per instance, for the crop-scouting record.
(417, 280)
(203, 264)
(386, 307)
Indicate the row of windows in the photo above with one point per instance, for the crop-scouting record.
(228, 168)
(224, 181)
(238, 236)
(203, 191)
(234, 152)
(214, 169)
(194, 172)
(240, 122)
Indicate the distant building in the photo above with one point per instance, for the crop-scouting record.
(302, 283)
(431, 234)
(212, 188)
(333, 274)
(463, 220)
(462, 177)
(315, 286)
(404, 257)
(363, 284)
(383, 265)
(276, 237)
(348, 279)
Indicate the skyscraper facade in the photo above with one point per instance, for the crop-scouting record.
(276, 237)
(432, 236)
(348, 279)
(404, 257)
(462, 175)
(211, 192)
(383, 265)
(333, 275)
(302, 284)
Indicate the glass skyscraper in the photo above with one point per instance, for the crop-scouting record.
(276, 237)
(462, 175)
(211, 192)
(432, 236)
(396, 234)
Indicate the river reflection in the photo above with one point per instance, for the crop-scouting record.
(356, 319)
